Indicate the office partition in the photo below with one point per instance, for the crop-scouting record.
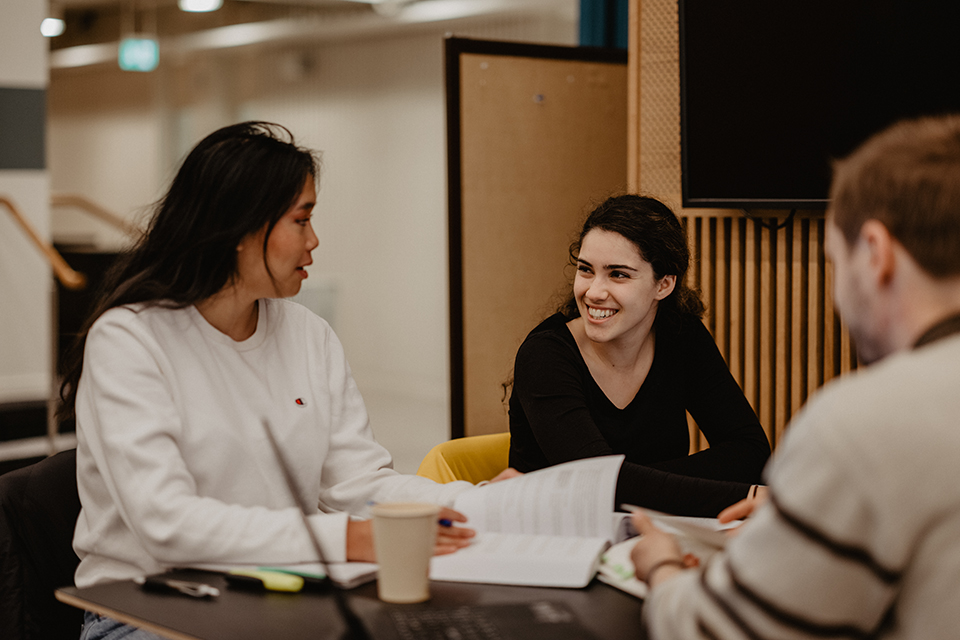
(536, 138)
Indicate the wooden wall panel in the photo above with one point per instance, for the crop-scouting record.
(766, 280)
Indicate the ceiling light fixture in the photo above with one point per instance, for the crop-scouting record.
(199, 6)
(53, 25)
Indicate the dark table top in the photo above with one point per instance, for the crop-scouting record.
(236, 614)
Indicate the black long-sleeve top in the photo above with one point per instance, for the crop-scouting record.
(559, 413)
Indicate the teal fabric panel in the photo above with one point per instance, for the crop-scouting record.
(603, 23)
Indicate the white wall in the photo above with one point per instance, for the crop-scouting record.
(104, 142)
(376, 109)
(25, 278)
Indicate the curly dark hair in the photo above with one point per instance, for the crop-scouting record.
(657, 234)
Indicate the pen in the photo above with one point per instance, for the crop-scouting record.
(185, 587)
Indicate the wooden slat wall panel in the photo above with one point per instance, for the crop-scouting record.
(798, 316)
(766, 283)
(816, 308)
(751, 334)
(765, 404)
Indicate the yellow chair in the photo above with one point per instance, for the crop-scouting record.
(474, 459)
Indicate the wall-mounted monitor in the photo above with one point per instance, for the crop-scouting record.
(771, 92)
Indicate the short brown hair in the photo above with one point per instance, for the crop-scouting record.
(908, 178)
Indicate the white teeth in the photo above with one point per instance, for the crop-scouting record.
(600, 314)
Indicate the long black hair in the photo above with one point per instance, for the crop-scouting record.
(236, 181)
(657, 234)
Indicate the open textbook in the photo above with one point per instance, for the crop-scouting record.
(545, 528)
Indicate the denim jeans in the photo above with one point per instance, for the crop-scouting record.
(100, 628)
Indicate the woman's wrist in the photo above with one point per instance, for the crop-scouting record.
(668, 562)
(360, 541)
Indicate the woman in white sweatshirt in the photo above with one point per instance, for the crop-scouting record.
(190, 348)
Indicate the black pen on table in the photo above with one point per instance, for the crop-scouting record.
(185, 587)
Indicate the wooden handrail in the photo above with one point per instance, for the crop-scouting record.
(68, 277)
(88, 206)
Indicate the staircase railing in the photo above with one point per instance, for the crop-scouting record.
(68, 277)
(89, 206)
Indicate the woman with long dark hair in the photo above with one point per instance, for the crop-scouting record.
(623, 361)
(190, 348)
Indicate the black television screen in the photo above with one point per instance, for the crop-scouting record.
(772, 91)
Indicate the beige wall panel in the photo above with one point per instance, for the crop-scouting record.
(541, 142)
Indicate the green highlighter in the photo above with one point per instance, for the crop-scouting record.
(265, 579)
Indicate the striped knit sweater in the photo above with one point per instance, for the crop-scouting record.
(862, 535)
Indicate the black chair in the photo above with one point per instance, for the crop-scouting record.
(39, 506)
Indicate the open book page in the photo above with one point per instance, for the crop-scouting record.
(570, 499)
(700, 536)
(545, 528)
(622, 527)
(498, 558)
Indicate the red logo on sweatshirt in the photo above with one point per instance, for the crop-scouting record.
(301, 402)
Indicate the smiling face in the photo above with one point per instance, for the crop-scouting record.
(616, 290)
(281, 273)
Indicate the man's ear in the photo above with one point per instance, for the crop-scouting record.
(879, 243)
(665, 286)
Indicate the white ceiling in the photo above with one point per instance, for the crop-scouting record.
(247, 22)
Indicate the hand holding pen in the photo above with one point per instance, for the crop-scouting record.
(449, 537)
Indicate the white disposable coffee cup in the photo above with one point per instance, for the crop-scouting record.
(404, 536)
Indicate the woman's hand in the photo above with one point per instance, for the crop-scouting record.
(742, 509)
(360, 541)
(449, 538)
(506, 474)
(656, 556)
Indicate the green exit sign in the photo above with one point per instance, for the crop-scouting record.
(138, 54)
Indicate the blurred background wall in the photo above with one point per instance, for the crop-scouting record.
(370, 98)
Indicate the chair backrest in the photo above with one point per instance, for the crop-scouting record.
(474, 459)
(39, 506)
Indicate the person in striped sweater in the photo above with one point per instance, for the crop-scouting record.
(860, 534)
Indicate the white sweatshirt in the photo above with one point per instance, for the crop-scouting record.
(173, 465)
